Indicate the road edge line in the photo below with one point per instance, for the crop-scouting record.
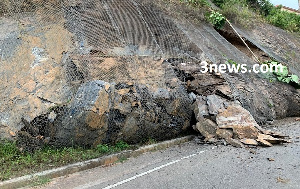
(89, 164)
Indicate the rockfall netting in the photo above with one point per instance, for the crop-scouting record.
(90, 72)
(77, 72)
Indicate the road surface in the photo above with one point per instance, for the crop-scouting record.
(193, 165)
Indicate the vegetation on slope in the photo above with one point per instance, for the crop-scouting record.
(245, 11)
(16, 163)
(249, 12)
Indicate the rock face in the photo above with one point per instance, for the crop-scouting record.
(104, 113)
(79, 74)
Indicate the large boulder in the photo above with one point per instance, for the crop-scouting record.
(105, 113)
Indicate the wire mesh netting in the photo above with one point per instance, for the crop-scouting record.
(83, 73)
(89, 72)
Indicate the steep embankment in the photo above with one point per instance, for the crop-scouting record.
(148, 60)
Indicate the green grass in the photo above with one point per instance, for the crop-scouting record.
(238, 12)
(196, 3)
(14, 163)
(285, 20)
(39, 181)
(249, 12)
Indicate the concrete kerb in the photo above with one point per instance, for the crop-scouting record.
(81, 166)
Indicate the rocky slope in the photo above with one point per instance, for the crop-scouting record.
(90, 72)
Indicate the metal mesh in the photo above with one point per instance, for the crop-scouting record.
(90, 72)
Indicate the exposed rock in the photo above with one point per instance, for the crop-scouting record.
(235, 125)
(77, 85)
(224, 133)
(215, 104)
(207, 128)
(105, 113)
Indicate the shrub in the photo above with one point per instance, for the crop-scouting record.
(246, 12)
(217, 19)
(219, 3)
(196, 3)
(285, 20)
(283, 75)
(264, 6)
(239, 12)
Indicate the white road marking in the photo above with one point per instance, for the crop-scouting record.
(141, 174)
(147, 172)
(152, 170)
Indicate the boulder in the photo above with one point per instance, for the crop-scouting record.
(105, 113)
(239, 120)
(215, 104)
(207, 128)
(229, 121)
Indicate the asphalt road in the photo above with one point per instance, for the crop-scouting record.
(194, 165)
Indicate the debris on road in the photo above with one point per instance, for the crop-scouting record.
(271, 159)
(230, 121)
(281, 180)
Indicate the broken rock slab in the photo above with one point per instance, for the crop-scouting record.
(233, 123)
(215, 104)
(207, 128)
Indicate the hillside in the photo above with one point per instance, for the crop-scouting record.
(91, 72)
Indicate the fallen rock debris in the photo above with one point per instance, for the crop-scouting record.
(220, 119)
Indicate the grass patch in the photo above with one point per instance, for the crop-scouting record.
(240, 13)
(249, 12)
(14, 163)
(39, 181)
(285, 20)
(196, 3)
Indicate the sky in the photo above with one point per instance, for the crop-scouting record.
(288, 3)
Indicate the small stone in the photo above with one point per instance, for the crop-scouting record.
(52, 115)
(249, 142)
(123, 91)
(271, 159)
(211, 140)
(264, 142)
(225, 89)
(270, 139)
(192, 96)
(234, 142)
(106, 86)
(12, 134)
(281, 180)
